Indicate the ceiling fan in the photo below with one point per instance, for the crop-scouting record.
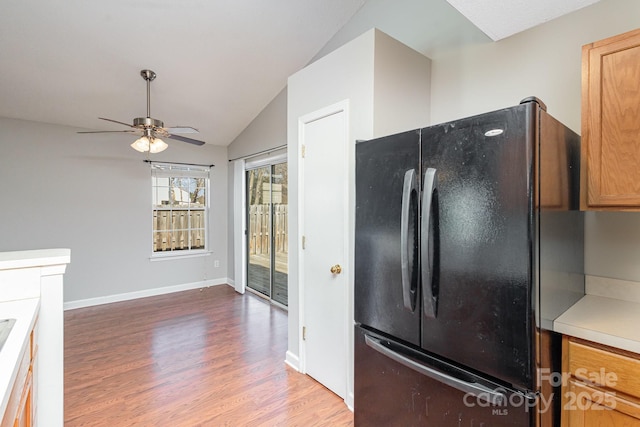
(151, 129)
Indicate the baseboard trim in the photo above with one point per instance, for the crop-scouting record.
(349, 401)
(293, 361)
(70, 305)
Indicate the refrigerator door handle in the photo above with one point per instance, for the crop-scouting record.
(429, 300)
(494, 397)
(409, 187)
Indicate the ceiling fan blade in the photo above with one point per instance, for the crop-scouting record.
(185, 139)
(109, 131)
(115, 121)
(181, 129)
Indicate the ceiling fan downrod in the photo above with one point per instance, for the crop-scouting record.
(148, 76)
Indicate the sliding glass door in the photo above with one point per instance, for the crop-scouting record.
(267, 235)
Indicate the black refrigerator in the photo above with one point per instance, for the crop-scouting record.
(468, 243)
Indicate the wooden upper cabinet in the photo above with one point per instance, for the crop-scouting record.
(611, 123)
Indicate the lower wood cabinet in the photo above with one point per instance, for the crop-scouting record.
(601, 385)
(20, 410)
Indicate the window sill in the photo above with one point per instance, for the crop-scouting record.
(171, 256)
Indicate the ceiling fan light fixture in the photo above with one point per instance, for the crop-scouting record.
(151, 144)
(157, 145)
(141, 144)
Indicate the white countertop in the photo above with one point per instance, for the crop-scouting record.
(609, 314)
(24, 311)
(34, 258)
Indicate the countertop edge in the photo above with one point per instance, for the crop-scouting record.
(34, 258)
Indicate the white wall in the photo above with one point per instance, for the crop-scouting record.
(545, 61)
(402, 87)
(345, 74)
(613, 245)
(387, 88)
(268, 130)
(92, 194)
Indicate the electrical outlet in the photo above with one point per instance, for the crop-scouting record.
(216, 263)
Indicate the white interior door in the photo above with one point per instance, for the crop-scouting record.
(324, 218)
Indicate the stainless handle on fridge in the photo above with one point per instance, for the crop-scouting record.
(428, 299)
(492, 396)
(408, 187)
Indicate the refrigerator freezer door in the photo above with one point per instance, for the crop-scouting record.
(386, 239)
(484, 170)
(393, 393)
(492, 396)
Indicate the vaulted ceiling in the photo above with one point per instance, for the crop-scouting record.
(218, 62)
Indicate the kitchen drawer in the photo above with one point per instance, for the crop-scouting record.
(613, 369)
(587, 406)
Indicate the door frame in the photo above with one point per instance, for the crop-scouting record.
(339, 107)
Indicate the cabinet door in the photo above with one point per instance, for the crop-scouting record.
(585, 406)
(611, 122)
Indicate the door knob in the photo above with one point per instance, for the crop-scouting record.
(336, 269)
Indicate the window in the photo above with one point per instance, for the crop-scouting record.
(180, 208)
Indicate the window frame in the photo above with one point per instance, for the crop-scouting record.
(180, 170)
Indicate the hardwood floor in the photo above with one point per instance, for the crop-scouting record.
(206, 357)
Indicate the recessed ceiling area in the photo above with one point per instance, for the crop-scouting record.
(503, 18)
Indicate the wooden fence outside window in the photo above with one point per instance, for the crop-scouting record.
(172, 229)
(259, 229)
